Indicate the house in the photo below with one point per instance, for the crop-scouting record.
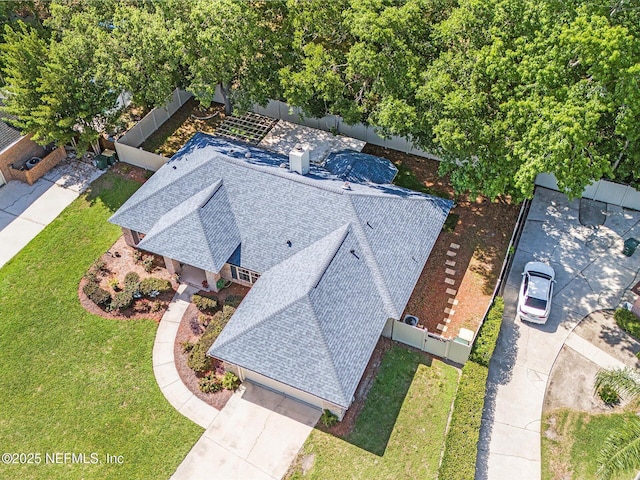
(21, 158)
(331, 263)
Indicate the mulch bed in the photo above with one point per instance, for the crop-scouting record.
(119, 261)
(190, 330)
(131, 172)
(483, 231)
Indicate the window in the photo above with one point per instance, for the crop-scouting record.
(243, 274)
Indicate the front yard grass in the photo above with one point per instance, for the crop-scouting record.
(571, 442)
(400, 431)
(72, 382)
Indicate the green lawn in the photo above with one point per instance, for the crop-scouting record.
(399, 433)
(576, 439)
(72, 382)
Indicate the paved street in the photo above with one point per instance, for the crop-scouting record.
(592, 274)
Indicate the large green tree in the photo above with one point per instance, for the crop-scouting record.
(527, 87)
(238, 46)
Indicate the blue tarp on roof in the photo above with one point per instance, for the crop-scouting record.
(360, 167)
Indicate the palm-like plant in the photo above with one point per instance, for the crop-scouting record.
(621, 450)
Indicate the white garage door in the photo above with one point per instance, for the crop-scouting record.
(282, 388)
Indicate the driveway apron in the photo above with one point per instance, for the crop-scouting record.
(591, 274)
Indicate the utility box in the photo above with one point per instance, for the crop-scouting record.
(630, 245)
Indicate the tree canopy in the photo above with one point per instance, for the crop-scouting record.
(501, 90)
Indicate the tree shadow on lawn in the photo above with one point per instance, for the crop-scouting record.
(111, 189)
(378, 418)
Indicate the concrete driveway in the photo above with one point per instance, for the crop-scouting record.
(592, 274)
(255, 436)
(26, 209)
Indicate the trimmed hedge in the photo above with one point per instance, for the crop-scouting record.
(461, 443)
(204, 304)
(122, 300)
(628, 322)
(488, 336)
(233, 300)
(132, 282)
(150, 285)
(97, 295)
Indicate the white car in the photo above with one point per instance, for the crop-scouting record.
(534, 303)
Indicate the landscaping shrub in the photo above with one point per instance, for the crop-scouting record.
(328, 418)
(142, 305)
(628, 322)
(204, 320)
(488, 336)
(210, 383)
(137, 255)
(230, 381)
(91, 276)
(153, 286)
(147, 263)
(97, 295)
(114, 283)
(122, 300)
(156, 306)
(198, 361)
(186, 346)
(461, 443)
(609, 396)
(233, 300)
(132, 282)
(204, 304)
(99, 266)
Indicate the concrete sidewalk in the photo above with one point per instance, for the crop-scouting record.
(591, 274)
(26, 209)
(255, 436)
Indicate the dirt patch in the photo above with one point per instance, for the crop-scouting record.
(131, 172)
(118, 261)
(482, 230)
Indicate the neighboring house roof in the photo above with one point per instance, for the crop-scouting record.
(360, 167)
(8, 134)
(334, 263)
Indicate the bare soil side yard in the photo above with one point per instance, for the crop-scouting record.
(481, 227)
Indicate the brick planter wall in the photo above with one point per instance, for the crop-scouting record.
(42, 167)
(24, 148)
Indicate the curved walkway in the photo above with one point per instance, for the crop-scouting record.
(255, 436)
(591, 274)
(164, 365)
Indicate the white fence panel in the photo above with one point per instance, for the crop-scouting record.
(602, 190)
(139, 158)
(404, 333)
(459, 352)
(437, 346)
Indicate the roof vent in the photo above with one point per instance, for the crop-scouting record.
(174, 167)
(247, 155)
(346, 186)
(299, 159)
(283, 165)
(289, 243)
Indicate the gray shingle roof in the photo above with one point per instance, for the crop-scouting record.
(313, 318)
(8, 134)
(205, 223)
(360, 167)
(334, 318)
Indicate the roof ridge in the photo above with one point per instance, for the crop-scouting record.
(145, 196)
(215, 187)
(329, 259)
(334, 369)
(372, 263)
(277, 312)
